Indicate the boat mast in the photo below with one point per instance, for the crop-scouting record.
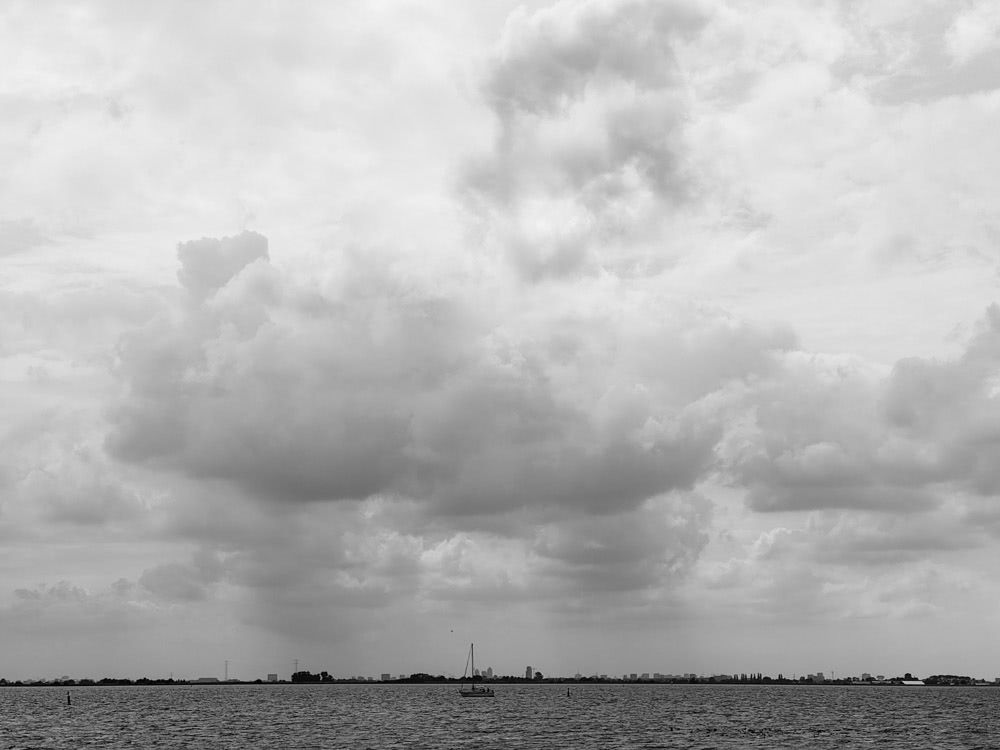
(472, 653)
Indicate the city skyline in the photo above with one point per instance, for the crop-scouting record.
(597, 333)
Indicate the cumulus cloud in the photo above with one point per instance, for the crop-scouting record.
(58, 482)
(803, 439)
(183, 582)
(948, 411)
(79, 493)
(208, 264)
(649, 548)
(64, 607)
(874, 487)
(125, 603)
(844, 566)
(550, 57)
(832, 433)
(572, 451)
(922, 52)
(972, 32)
(591, 103)
(402, 445)
(297, 394)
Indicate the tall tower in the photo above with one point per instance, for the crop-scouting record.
(527, 672)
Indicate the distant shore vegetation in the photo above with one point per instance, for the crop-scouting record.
(324, 677)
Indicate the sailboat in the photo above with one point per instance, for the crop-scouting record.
(473, 691)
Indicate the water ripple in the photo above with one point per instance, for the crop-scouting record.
(593, 717)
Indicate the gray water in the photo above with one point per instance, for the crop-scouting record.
(520, 716)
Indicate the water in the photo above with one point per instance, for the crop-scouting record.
(601, 717)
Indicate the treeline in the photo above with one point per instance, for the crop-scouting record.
(86, 682)
(305, 676)
(421, 677)
(950, 679)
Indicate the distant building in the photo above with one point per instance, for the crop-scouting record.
(489, 673)
(272, 676)
(386, 677)
(207, 679)
(527, 672)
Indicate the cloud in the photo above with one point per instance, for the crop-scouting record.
(124, 604)
(822, 432)
(296, 393)
(843, 565)
(591, 105)
(950, 411)
(922, 52)
(973, 32)
(66, 608)
(374, 442)
(59, 484)
(548, 58)
(20, 235)
(804, 439)
(183, 582)
(208, 264)
(80, 493)
(648, 549)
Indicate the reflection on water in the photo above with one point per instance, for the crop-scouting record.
(521, 716)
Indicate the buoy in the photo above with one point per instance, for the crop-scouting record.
(69, 701)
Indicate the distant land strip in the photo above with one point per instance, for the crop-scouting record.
(302, 678)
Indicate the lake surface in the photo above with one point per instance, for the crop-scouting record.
(520, 716)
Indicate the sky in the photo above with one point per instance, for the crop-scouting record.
(614, 336)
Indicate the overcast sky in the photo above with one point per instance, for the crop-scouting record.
(612, 336)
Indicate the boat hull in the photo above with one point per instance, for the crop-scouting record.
(476, 693)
